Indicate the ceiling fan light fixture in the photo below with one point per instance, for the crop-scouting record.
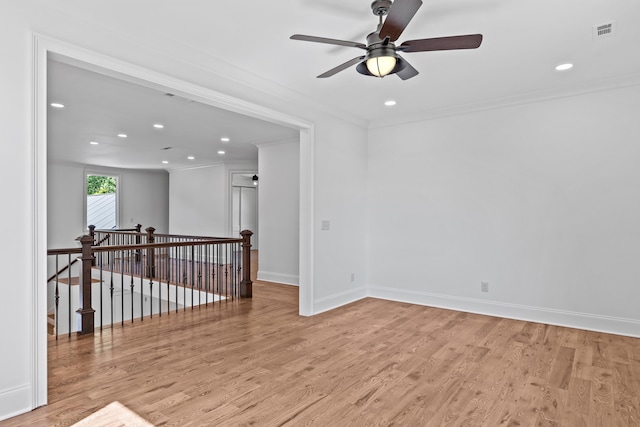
(381, 58)
(381, 66)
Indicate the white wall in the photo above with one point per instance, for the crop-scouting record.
(200, 199)
(197, 201)
(65, 192)
(539, 200)
(338, 158)
(143, 199)
(341, 173)
(279, 212)
(17, 383)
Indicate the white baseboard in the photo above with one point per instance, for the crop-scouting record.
(286, 279)
(337, 300)
(571, 319)
(15, 401)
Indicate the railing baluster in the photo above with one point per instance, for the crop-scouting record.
(141, 297)
(169, 250)
(218, 267)
(111, 261)
(100, 287)
(199, 276)
(176, 273)
(185, 268)
(69, 292)
(150, 296)
(161, 270)
(215, 278)
(238, 267)
(56, 313)
(226, 270)
(122, 286)
(131, 286)
(206, 275)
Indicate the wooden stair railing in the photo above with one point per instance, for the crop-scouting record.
(107, 233)
(89, 250)
(62, 270)
(92, 233)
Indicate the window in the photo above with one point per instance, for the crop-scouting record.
(102, 201)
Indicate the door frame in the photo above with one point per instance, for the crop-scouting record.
(44, 47)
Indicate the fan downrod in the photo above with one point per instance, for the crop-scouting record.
(381, 7)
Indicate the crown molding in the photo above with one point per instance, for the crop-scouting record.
(279, 142)
(602, 85)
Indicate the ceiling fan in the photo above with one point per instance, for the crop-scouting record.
(381, 57)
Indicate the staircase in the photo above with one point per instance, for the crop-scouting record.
(51, 322)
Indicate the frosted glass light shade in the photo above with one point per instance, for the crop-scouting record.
(381, 66)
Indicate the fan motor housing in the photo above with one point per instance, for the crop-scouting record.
(381, 7)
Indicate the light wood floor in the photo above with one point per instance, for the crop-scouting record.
(256, 362)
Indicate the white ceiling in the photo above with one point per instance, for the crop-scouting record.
(523, 42)
(98, 107)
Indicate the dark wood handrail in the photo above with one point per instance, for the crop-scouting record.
(104, 239)
(182, 236)
(62, 270)
(93, 228)
(208, 241)
(115, 230)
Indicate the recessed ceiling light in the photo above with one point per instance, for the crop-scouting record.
(191, 158)
(93, 142)
(158, 126)
(225, 139)
(564, 67)
(390, 103)
(164, 162)
(122, 135)
(57, 105)
(220, 152)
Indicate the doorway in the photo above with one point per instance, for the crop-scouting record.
(45, 48)
(244, 206)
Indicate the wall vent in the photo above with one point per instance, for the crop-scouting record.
(604, 30)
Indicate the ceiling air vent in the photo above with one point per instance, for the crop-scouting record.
(604, 30)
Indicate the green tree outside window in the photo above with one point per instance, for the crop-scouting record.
(97, 184)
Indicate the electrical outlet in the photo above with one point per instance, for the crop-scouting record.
(484, 286)
(353, 277)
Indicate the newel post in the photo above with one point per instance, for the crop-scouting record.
(151, 253)
(86, 311)
(246, 285)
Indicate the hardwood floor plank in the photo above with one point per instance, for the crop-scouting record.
(371, 363)
(625, 397)
(562, 368)
(579, 396)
